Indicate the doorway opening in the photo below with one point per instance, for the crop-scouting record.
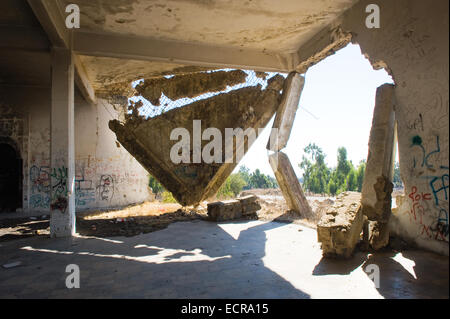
(10, 178)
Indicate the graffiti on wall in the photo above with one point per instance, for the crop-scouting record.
(424, 158)
(96, 183)
(106, 187)
(429, 200)
(84, 188)
(40, 183)
(59, 189)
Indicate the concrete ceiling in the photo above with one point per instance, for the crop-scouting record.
(24, 47)
(251, 30)
(124, 40)
(272, 25)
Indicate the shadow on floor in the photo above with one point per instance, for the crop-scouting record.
(411, 274)
(210, 265)
(405, 274)
(332, 266)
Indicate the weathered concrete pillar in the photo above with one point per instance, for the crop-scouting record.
(284, 119)
(289, 184)
(62, 220)
(281, 130)
(377, 186)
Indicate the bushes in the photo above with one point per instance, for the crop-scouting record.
(232, 187)
(155, 185)
(167, 197)
(157, 188)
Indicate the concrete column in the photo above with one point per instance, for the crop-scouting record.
(281, 130)
(377, 187)
(62, 220)
(289, 184)
(284, 119)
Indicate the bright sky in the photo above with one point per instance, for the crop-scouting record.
(335, 110)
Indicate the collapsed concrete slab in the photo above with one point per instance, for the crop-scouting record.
(340, 228)
(289, 184)
(189, 85)
(284, 119)
(233, 209)
(149, 140)
(377, 186)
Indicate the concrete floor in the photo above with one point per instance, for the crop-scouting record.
(248, 259)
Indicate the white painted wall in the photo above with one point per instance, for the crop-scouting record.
(107, 175)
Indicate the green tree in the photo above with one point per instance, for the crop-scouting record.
(155, 185)
(360, 175)
(351, 180)
(244, 171)
(315, 171)
(260, 180)
(342, 170)
(332, 186)
(397, 180)
(232, 187)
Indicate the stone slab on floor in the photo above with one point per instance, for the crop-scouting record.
(245, 259)
(233, 208)
(339, 229)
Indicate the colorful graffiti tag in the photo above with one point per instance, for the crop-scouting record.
(429, 207)
(40, 182)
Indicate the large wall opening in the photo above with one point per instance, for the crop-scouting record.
(10, 178)
(328, 145)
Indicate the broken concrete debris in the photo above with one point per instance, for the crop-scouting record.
(246, 206)
(340, 228)
(149, 140)
(189, 85)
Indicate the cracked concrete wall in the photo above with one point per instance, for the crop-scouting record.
(149, 139)
(106, 175)
(413, 43)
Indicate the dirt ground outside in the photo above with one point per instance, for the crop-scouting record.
(151, 216)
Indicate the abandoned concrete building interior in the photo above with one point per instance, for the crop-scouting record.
(83, 87)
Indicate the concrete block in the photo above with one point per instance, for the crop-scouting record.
(340, 228)
(289, 184)
(225, 210)
(233, 209)
(249, 204)
(284, 119)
